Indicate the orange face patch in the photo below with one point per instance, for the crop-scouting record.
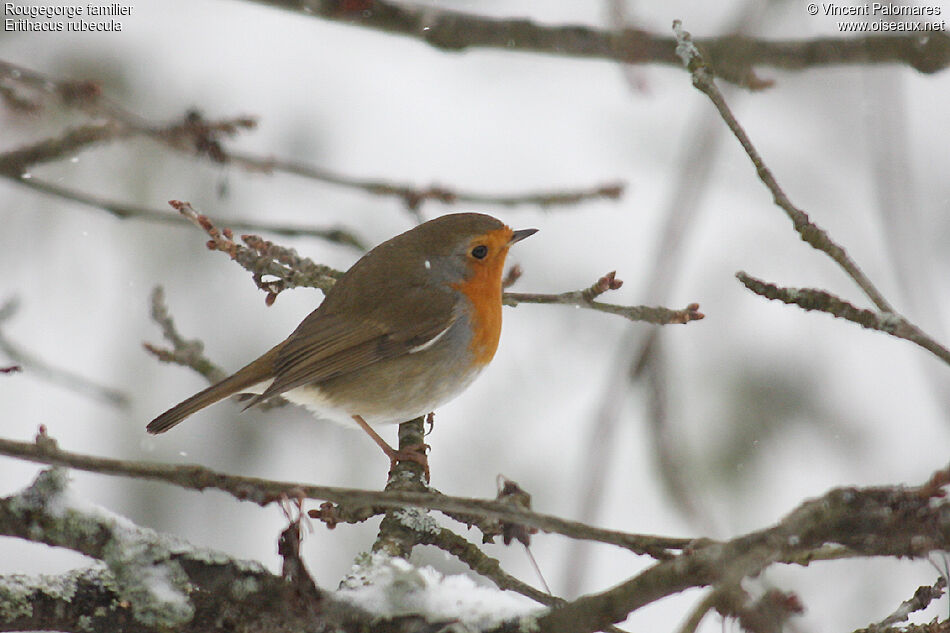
(483, 289)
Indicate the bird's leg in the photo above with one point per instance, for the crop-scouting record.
(415, 453)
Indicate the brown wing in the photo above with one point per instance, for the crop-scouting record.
(328, 345)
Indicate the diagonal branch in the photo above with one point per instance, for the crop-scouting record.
(263, 258)
(810, 233)
(823, 301)
(890, 321)
(887, 521)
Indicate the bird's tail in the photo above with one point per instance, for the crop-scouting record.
(258, 371)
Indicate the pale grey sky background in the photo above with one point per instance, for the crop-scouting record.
(768, 405)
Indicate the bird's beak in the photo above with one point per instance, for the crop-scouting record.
(517, 236)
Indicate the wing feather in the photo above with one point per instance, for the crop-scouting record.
(328, 345)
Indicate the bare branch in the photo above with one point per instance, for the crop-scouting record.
(263, 492)
(810, 232)
(188, 353)
(920, 601)
(199, 137)
(894, 521)
(887, 521)
(413, 196)
(585, 299)
(734, 56)
(124, 211)
(823, 301)
(263, 258)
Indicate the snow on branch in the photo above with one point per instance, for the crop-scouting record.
(146, 581)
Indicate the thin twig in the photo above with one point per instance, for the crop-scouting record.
(184, 352)
(189, 352)
(824, 301)
(414, 195)
(585, 299)
(481, 563)
(125, 211)
(263, 492)
(920, 601)
(203, 138)
(263, 258)
(291, 270)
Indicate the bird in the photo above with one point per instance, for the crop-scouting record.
(406, 329)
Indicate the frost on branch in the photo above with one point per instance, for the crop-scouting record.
(144, 581)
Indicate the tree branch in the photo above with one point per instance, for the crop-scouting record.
(263, 492)
(125, 211)
(734, 56)
(920, 601)
(291, 270)
(894, 521)
(263, 258)
(150, 582)
(823, 301)
(585, 299)
(202, 138)
(810, 232)
(885, 521)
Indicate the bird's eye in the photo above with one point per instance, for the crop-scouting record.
(480, 251)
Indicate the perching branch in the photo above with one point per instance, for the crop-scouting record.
(291, 270)
(734, 56)
(147, 582)
(823, 301)
(155, 579)
(264, 492)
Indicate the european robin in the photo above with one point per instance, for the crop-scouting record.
(406, 329)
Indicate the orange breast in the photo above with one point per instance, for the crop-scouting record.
(483, 289)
